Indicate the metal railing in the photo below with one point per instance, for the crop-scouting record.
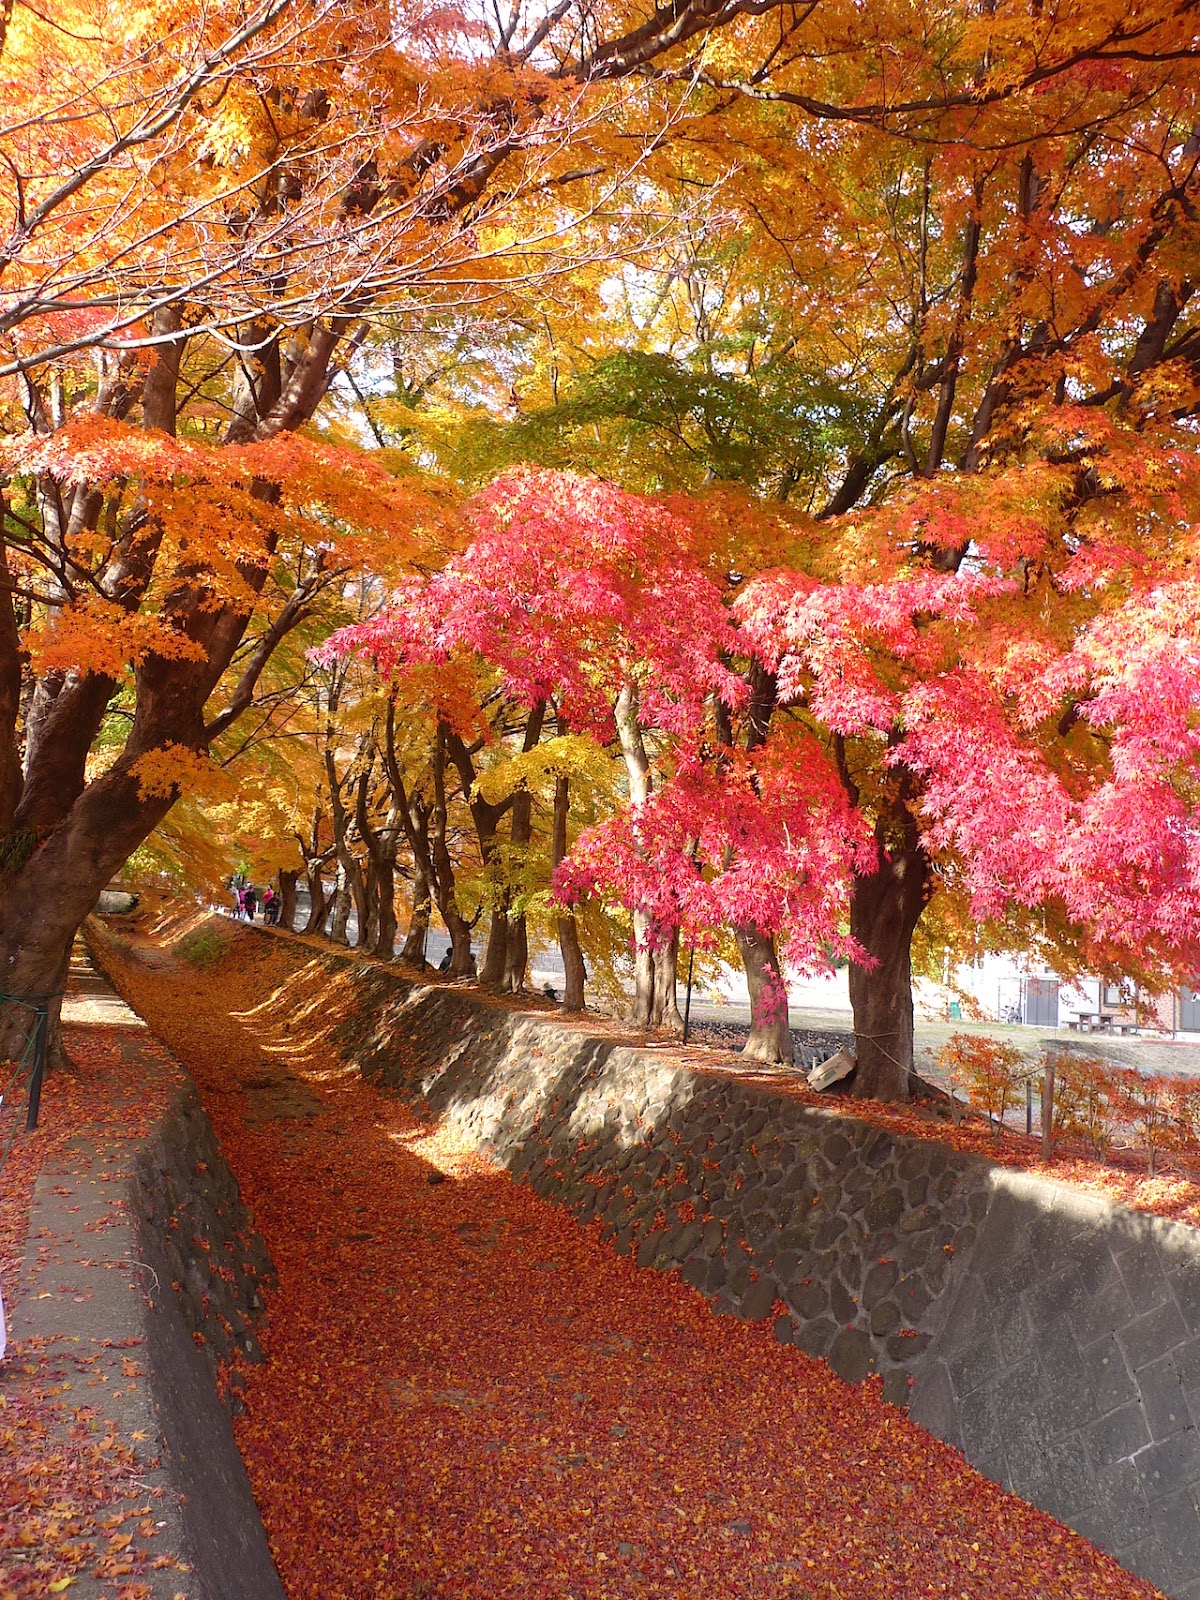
(24, 1020)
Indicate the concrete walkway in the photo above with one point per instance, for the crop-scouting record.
(76, 1359)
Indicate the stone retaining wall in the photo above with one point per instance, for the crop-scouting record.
(1052, 1337)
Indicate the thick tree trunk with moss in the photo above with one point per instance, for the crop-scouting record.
(664, 1010)
(415, 939)
(885, 908)
(318, 901)
(770, 1036)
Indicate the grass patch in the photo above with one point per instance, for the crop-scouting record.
(204, 949)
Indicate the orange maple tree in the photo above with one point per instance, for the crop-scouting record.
(203, 209)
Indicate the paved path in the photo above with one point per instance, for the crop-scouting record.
(74, 1387)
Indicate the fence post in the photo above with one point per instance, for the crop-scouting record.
(1047, 1107)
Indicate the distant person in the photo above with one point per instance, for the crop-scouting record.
(444, 963)
(250, 902)
(270, 906)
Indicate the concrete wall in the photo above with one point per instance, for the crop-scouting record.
(204, 1296)
(1052, 1337)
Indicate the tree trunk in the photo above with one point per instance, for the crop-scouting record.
(443, 867)
(318, 902)
(56, 1050)
(643, 971)
(343, 902)
(431, 853)
(770, 1032)
(381, 844)
(655, 1002)
(486, 818)
(418, 927)
(884, 911)
(49, 889)
(664, 1011)
(495, 952)
(384, 945)
(368, 928)
(10, 690)
(507, 955)
(516, 957)
(287, 899)
(357, 879)
(637, 770)
(568, 929)
(56, 1057)
(573, 967)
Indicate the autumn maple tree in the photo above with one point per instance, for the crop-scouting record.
(959, 347)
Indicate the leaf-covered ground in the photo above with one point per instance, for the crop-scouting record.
(469, 1396)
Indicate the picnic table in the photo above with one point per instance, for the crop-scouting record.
(1101, 1022)
(1089, 1022)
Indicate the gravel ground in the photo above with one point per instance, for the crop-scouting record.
(809, 1045)
(816, 1036)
